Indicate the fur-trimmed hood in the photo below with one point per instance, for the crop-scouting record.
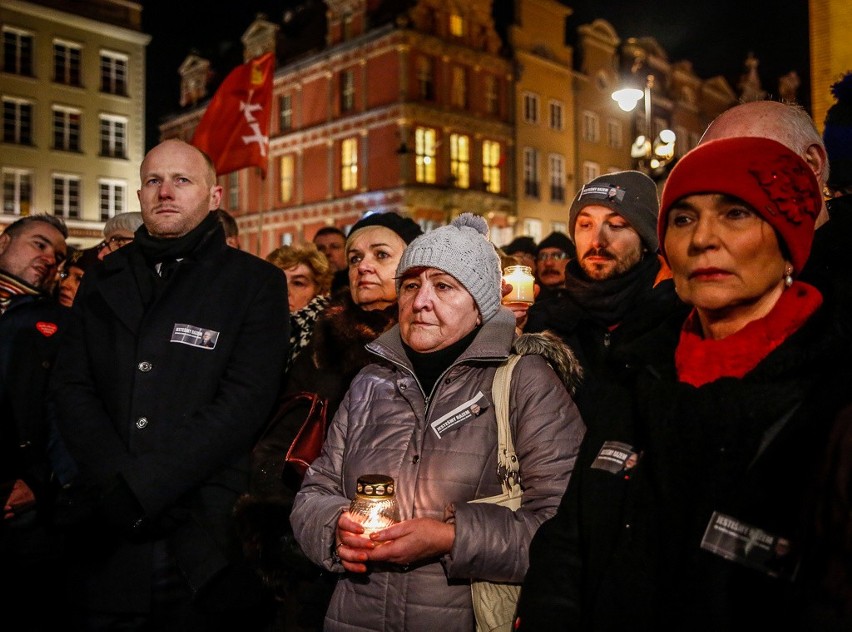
(559, 356)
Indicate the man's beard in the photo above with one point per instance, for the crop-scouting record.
(597, 272)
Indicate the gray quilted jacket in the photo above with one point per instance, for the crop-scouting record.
(384, 426)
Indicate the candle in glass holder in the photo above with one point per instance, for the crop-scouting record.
(374, 505)
(522, 281)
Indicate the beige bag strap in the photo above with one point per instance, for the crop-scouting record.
(507, 461)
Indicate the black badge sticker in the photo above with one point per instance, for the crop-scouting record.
(194, 336)
(750, 546)
(616, 457)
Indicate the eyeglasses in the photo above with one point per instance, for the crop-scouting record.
(547, 256)
(114, 243)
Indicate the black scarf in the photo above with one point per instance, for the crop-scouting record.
(428, 367)
(166, 252)
(606, 302)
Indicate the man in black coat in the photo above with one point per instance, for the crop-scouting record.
(31, 324)
(161, 425)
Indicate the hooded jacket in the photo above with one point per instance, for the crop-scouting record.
(386, 425)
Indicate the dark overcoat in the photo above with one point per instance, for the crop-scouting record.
(141, 400)
(639, 547)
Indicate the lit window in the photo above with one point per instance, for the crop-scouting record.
(349, 164)
(456, 25)
(286, 178)
(460, 160)
(424, 149)
(491, 158)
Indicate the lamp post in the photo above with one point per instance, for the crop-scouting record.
(651, 156)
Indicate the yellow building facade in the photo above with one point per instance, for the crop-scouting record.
(831, 51)
(73, 98)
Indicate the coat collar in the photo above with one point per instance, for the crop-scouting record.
(117, 283)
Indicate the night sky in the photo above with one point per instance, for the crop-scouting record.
(715, 36)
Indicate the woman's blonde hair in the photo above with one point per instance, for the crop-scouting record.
(287, 257)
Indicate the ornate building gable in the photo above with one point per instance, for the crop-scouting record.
(194, 74)
(259, 37)
(467, 22)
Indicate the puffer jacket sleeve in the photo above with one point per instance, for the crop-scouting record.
(321, 499)
(492, 542)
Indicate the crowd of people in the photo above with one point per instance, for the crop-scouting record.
(679, 406)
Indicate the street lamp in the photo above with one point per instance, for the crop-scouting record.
(650, 155)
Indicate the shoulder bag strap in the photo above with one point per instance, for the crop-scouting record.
(507, 461)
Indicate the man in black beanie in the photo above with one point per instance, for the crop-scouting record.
(617, 287)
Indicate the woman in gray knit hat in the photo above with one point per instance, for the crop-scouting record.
(424, 415)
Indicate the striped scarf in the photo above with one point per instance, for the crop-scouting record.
(10, 287)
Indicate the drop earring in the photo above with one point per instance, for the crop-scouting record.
(788, 276)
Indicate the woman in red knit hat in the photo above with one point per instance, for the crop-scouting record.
(693, 502)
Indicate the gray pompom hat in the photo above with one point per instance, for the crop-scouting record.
(462, 250)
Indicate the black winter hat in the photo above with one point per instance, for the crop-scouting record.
(631, 194)
(838, 134)
(83, 259)
(405, 227)
(557, 240)
(523, 244)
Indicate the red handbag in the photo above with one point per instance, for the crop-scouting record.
(308, 442)
(276, 449)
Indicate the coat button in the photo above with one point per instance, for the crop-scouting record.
(141, 422)
(144, 366)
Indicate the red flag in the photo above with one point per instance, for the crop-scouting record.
(234, 130)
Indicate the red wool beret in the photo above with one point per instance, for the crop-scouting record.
(763, 173)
